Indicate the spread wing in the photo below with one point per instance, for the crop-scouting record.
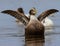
(20, 10)
(46, 13)
(17, 15)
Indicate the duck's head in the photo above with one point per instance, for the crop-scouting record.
(33, 11)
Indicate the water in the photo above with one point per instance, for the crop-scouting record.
(12, 34)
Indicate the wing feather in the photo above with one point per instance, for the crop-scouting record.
(17, 15)
(20, 11)
(46, 13)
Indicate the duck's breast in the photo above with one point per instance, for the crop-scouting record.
(34, 28)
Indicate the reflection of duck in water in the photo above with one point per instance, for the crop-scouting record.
(34, 27)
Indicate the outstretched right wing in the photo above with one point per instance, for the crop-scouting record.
(46, 13)
(17, 15)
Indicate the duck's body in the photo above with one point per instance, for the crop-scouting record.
(34, 27)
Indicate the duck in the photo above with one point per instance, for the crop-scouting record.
(47, 22)
(33, 26)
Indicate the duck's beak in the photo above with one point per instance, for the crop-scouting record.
(34, 11)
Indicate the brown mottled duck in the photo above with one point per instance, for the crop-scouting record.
(33, 26)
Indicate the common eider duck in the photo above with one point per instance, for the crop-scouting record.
(34, 27)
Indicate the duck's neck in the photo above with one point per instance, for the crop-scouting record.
(33, 17)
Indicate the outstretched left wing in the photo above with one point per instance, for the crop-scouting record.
(17, 15)
(20, 11)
